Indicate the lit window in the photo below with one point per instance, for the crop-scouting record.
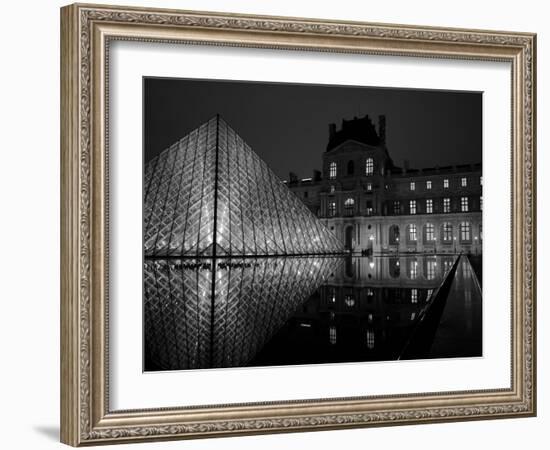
(464, 182)
(429, 294)
(349, 301)
(331, 209)
(428, 184)
(332, 170)
(446, 205)
(481, 181)
(412, 186)
(480, 232)
(430, 232)
(412, 207)
(429, 206)
(447, 232)
(369, 186)
(446, 183)
(349, 207)
(397, 207)
(465, 232)
(412, 232)
(414, 295)
(481, 203)
(413, 315)
(464, 204)
(332, 188)
(369, 166)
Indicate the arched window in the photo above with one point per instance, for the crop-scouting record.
(412, 235)
(351, 167)
(332, 170)
(447, 233)
(349, 207)
(394, 235)
(429, 233)
(369, 166)
(465, 232)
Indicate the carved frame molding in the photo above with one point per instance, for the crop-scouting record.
(86, 31)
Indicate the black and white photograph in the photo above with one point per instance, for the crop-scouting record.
(290, 224)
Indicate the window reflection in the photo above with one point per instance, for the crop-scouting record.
(412, 268)
(332, 334)
(370, 339)
(395, 268)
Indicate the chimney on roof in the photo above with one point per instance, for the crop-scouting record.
(382, 128)
(316, 175)
(331, 130)
(292, 177)
(406, 165)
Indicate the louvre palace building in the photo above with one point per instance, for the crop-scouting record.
(376, 207)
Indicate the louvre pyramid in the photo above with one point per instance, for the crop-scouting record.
(210, 194)
(193, 323)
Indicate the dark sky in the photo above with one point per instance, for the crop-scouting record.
(287, 124)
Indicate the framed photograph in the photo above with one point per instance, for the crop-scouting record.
(273, 224)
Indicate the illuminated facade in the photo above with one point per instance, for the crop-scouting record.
(372, 205)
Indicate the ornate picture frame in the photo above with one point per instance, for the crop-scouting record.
(86, 34)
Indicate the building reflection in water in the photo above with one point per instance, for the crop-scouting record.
(302, 310)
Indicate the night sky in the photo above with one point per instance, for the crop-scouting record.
(287, 124)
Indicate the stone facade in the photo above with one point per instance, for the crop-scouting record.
(376, 207)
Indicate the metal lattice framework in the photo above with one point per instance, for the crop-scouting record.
(210, 194)
(197, 317)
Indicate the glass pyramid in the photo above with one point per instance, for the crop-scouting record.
(210, 194)
(205, 312)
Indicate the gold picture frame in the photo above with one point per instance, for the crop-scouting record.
(86, 31)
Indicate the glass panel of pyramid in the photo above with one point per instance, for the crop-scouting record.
(192, 323)
(211, 189)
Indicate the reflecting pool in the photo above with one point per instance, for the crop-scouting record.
(264, 311)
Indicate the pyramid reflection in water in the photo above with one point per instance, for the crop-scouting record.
(192, 322)
(212, 188)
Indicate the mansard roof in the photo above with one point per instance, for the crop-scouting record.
(358, 129)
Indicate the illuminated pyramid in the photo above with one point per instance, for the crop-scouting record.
(210, 194)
